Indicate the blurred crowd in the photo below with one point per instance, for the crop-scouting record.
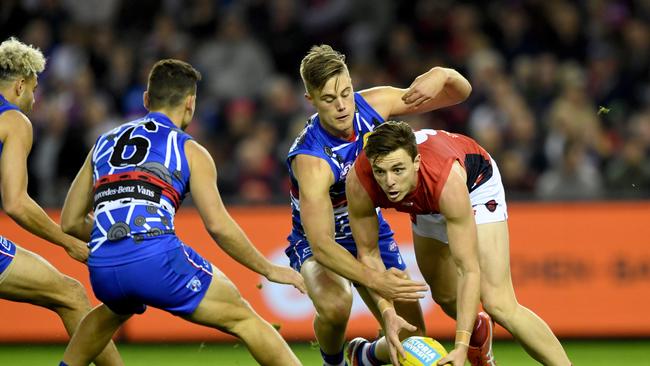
(561, 89)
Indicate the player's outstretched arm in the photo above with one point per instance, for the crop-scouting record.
(437, 88)
(463, 243)
(78, 203)
(17, 132)
(221, 226)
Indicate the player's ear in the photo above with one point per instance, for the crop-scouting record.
(190, 102)
(145, 99)
(416, 162)
(19, 86)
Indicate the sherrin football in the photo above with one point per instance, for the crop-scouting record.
(421, 351)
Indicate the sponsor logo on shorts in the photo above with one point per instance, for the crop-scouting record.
(491, 205)
(194, 284)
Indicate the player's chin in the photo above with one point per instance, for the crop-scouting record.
(344, 124)
(394, 196)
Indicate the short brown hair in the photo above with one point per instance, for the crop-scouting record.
(389, 137)
(170, 81)
(319, 65)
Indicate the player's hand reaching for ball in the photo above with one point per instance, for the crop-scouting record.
(286, 275)
(456, 357)
(393, 325)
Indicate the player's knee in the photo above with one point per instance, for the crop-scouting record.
(499, 307)
(242, 320)
(74, 294)
(62, 292)
(335, 310)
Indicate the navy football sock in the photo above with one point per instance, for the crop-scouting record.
(333, 360)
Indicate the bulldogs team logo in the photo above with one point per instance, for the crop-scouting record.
(194, 284)
(392, 247)
(345, 170)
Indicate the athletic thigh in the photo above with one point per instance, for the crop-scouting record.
(34, 280)
(222, 307)
(437, 267)
(494, 258)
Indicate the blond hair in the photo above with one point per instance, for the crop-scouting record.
(319, 65)
(19, 60)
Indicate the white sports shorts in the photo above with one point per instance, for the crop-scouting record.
(488, 202)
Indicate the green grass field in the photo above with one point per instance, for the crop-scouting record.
(582, 353)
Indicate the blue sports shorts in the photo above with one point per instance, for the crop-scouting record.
(7, 253)
(299, 251)
(175, 280)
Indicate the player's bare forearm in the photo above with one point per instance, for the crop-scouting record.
(468, 298)
(81, 229)
(455, 205)
(336, 258)
(76, 218)
(230, 237)
(318, 222)
(30, 216)
(366, 235)
(464, 250)
(364, 225)
(437, 88)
